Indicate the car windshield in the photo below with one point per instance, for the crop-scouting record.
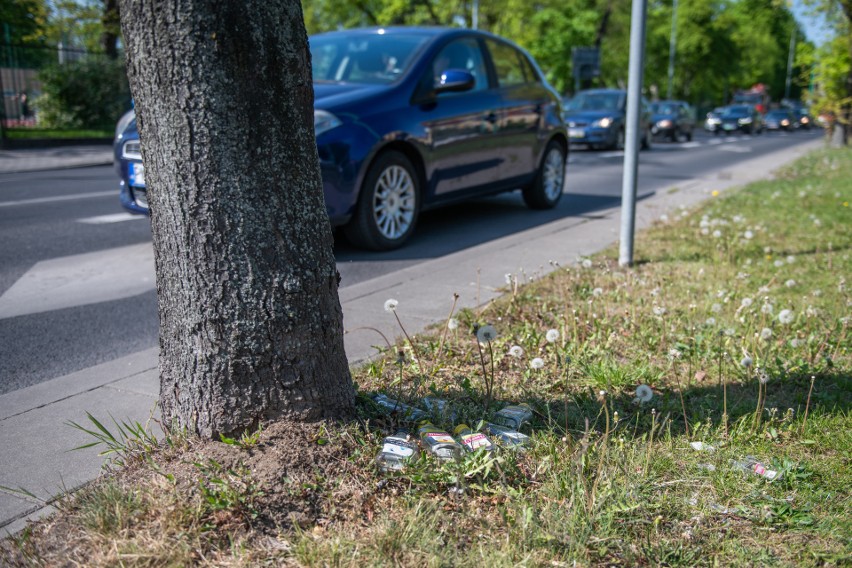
(361, 58)
(777, 114)
(597, 101)
(736, 111)
(664, 108)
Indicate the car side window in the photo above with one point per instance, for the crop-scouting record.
(509, 64)
(463, 54)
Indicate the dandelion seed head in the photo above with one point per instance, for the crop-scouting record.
(644, 393)
(717, 234)
(659, 310)
(746, 361)
(516, 351)
(730, 332)
(674, 353)
(710, 321)
(817, 293)
(765, 333)
(390, 305)
(790, 283)
(656, 292)
(705, 231)
(748, 235)
(791, 259)
(508, 278)
(537, 363)
(786, 317)
(778, 263)
(746, 302)
(762, 376)
(796, 342)
(452, 324)
(486, 334)
(587, 263)
(767, 309)
(597, 292)
(552, 335)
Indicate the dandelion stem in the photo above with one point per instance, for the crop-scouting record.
(410, 342)
(484, 374)
(444, 335)
(808, 405)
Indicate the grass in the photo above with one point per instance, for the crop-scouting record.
(608, 479)
(53, 134)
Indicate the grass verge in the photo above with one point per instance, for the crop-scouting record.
(734, 323)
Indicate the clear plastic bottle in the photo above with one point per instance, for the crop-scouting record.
(397, 451)
(439, 408)
(507, 436)
(470, 440)
(394, 406)
(513, 417)
(438, 442)
(752, 465)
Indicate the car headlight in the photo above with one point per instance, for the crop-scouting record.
(664, 124)
(714, 121)
(132, 150)
(324, 121)
(602, 123)
(785, 122)
(745, 120)
(123, 122)
(805, 120)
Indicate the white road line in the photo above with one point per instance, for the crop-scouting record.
(114, 218)
(80, 280)
(90, 195)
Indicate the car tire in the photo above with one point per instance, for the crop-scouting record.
(618, 143)
(645, 143)
(689, 136)
(388, 205)
(545, 191)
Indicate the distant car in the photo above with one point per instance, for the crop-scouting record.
(713, 122)
(803, 119)
(672, 119)
(597, 117)
(780, 119)
(408, 119)
(742, 118)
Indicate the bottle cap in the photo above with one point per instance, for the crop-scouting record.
(460, 428)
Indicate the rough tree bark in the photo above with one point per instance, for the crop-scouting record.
(250, 320)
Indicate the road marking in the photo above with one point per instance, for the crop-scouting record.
(89, 195)
(113, 218)
(80, 280)
(691, 145)
(736, 149)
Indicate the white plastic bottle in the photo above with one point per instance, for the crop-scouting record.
(397, 451)
(472, 441)
(438, 442)
(513, 417)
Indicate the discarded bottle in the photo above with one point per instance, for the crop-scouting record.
(507, 436)
(750, 464)
(397, 450)
(438, 443)
(472, 441)
(439, 408)
(394, 406)
(513, 417)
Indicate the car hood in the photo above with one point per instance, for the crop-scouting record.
(659, 117)
(590, 115)
(329, 95)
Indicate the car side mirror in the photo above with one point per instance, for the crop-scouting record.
(454, 81)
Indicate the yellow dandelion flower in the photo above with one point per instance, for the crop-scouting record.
(715, 193)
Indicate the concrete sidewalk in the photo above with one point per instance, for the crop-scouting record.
(38, 159)
(34, 432)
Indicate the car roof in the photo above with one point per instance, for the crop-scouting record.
(428, 31)
(602, 91)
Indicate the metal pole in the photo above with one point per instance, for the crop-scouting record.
(634, 129)
(475, 18)
(790, 63)
(672, 47)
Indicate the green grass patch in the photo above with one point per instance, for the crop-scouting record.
(52, 134)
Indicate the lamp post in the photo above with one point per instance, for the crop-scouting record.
(672, 47)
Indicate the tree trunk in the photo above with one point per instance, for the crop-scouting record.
(251, 327)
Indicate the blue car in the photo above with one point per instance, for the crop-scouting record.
(597, 118)
(408, 119)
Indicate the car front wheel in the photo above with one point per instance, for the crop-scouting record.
(388, 205)
(546, 189)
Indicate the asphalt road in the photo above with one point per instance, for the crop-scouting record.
(76, 279)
